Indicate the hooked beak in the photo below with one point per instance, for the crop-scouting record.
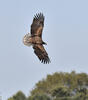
(44, 43)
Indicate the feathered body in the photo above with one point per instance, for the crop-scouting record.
(35, 38)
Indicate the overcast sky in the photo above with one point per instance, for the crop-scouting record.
(65, 31)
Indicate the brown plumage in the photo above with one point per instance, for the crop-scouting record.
(35, 39)
(37, 25)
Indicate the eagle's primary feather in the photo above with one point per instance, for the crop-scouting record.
(41, 53)
(36, 38)
(37, 25)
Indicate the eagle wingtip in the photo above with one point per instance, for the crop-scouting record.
(45, 61)
(39, 16)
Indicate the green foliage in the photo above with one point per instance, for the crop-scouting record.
(18, 96)
(10, 99)
(59, 86)
(61, 91)
(64, 86)
(39, 97)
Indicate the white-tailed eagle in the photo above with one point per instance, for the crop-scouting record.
(35, 38)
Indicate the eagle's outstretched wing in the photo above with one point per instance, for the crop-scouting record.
(37, 25)
(41, 53)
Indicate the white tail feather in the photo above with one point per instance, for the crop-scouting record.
(26, 39)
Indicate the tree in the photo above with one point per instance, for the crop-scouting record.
(18, 96)
(59, 86)
(39, 97)
(64, 86)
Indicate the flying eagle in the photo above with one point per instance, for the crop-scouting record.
(35, 38)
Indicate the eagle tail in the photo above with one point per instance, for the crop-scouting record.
(26, 39)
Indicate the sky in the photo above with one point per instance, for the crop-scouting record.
(65, 32)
